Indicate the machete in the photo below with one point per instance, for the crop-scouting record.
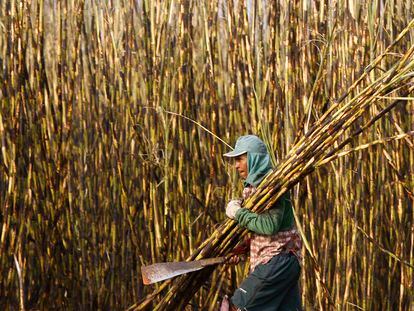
(165, 270)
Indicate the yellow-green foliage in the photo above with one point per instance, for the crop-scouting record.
(97, 177)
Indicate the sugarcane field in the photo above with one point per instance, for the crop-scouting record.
(221, 155)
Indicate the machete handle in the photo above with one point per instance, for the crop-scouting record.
(213, 261)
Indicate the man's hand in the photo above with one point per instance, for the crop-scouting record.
(232, 207)
(233, 260)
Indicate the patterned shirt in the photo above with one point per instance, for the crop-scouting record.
(264, 247)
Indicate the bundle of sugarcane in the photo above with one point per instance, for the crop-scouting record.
(319, 145)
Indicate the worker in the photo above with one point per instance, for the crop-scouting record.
(275, 244)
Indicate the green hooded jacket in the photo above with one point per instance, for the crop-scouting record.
(280, 216)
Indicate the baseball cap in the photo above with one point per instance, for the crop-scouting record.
(247, 143)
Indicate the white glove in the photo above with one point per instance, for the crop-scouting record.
(232, 207)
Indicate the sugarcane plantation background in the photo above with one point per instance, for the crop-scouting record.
(107, 163)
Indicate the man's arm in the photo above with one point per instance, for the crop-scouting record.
(266, 223)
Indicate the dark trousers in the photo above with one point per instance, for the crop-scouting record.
(271, 286)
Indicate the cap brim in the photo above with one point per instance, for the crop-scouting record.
(234, 153)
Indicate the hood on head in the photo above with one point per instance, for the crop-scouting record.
(259, 162)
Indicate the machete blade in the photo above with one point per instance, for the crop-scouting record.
(163, 271)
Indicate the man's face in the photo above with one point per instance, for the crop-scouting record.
(241, 165)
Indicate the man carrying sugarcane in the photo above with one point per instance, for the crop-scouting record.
(275, 245)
